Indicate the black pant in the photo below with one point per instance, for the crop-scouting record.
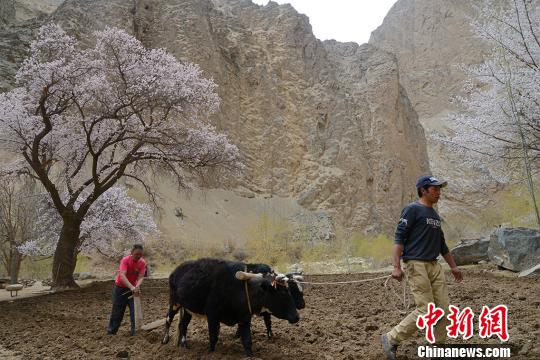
(120, 298)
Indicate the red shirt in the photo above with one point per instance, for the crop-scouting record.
(133, 270)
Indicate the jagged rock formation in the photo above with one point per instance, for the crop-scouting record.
(7, 11)
(324, 123)
(430, 38)
(30, 9)
(18, 21)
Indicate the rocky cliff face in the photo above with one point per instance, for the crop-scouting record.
(7, 11)
(18, 21)
(430, 38)
(326, 124)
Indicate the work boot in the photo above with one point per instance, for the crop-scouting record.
(389, 349)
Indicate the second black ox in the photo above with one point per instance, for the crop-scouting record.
(210, 287)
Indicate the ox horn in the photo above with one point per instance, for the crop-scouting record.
(241, 275)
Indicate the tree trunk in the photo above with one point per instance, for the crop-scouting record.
(14, 266)
(65, 255)
(524, 148)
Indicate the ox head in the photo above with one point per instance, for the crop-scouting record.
(279, 299)
(275, 294)
(296, 289)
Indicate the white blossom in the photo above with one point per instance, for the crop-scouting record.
(83, 118)
(112, 225)
(500, 109)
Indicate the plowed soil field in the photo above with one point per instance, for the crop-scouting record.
(339, 322)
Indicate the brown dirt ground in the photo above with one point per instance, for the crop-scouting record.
(339, 322)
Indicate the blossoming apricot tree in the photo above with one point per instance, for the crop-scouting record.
(82, 118)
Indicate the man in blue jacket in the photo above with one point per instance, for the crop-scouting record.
(418, 242)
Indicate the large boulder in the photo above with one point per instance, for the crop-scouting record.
(534, 271)
(515, 249)
(471, 251)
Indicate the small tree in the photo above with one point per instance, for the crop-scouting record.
(500, 113)
(17, 222)
(83, 118)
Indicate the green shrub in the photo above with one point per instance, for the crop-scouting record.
(376, 248)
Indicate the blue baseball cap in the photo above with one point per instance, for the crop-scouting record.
(429, 180)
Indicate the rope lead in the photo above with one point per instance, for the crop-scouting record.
(404, 299)
(344, 282)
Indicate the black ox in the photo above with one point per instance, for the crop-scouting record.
(211, 287)
(294, 287)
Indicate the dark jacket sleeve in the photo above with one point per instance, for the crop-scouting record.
(405, 224)
(444, 248)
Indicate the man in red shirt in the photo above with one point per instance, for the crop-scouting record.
(128, 281)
